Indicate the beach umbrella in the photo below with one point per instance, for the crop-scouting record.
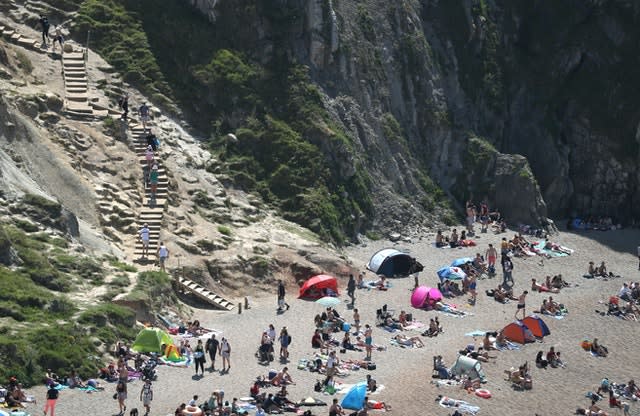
(328, 301)
(419, 296)
(462, 260)
(354, 399)
(451, 273)
(434, 295)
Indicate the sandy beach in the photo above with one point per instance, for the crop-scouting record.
(406, 373)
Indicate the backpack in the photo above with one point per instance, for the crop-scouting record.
(318, 387)
(289, 339)
(52, 394)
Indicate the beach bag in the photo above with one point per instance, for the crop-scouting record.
(371, 366)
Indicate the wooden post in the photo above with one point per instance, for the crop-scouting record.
(239, 308)
(246, 302)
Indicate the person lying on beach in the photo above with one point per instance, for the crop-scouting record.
(589, 412)
(542, 288)
(415, 342)
(376, 405)
(443, 307)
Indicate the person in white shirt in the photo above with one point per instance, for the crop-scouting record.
(163, 253)
(625, 293)
(144, 235)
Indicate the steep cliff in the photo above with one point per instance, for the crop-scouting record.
(382, 99)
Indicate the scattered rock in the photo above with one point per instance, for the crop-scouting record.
(50, 117)
(394, 237)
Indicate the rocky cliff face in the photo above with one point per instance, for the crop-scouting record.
(536, 79)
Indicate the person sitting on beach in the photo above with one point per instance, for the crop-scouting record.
(317, 342)
(440, 240)
(479, 264)
(372, 385)
(558, 282)
(542, 288)
(360, 281)
(74, 380)
(598, 349)
(470, 384)
(486, 343)
(335, 409)
(346, 343)
(408, 341)
(602, 270)
(553, 358)
(540, 361)
(625, 292)
(453, 239)
(402, 320)
(592, 271)
(282, 377)
(433, 330)
(631, 312)
(501, 341)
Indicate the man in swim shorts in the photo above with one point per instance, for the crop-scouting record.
(521, 305)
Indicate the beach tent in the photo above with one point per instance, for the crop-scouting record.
(518, 332)
(354, 399)
(467, 367)
(536, 325)
(172, 353)
(151, 340)
(391, 262)
(424, 296)
(312, 288)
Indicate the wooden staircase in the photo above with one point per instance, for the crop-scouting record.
(153, 209)
(203, 293)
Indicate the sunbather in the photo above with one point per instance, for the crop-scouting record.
(542, 288)
(408, 341)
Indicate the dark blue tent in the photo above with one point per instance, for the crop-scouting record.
(391, 262)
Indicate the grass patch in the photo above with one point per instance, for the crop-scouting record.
(24, 62)
(224, 230)
(121, 280)
(123, 267)
(154, 289)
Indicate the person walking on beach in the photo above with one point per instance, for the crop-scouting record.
(351, 289)
(368, 341)
(57, 37)
(492, 256)
(507, 272)
(199, 357)
(281, 293)
(121, 395)
(146, 396)
(163, 254)
(356, 320)
(521, 305)
(143, 236)
(212, 347)
(225, 353)
(52, 397)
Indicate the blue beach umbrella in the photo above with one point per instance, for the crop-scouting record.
(462, 260)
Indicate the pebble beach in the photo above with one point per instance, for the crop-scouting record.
(406, 373)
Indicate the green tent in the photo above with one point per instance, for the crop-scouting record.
(151, 340)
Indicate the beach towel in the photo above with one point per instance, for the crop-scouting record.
(415, 325)
(446, 383)
(460, 405)
(508, 346)
(552, 253)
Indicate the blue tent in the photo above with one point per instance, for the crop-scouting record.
(391, 262)
(354, 399)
